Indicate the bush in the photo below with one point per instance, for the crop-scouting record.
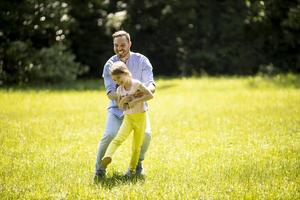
(24, 64)
(15, 63)
(200, 63)
(55, 64)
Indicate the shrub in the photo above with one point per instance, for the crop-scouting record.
(23, 64)
(15, 63)
(200, 63)
(55, 64)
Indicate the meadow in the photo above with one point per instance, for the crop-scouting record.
(212, 138)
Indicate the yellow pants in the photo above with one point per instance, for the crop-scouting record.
(132, 122)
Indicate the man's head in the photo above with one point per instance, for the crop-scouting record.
(122, 44)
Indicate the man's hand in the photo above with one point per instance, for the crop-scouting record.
(138, 94)
(126, 99)
(112, 95)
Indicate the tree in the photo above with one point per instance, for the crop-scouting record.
(90, 40)
(26, 28)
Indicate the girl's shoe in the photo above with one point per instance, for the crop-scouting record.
(129, 173)
(105, 162)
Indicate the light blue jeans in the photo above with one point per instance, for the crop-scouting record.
(113, 124)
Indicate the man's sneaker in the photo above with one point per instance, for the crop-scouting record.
(99, 175)
(139, 170)
(129, 173)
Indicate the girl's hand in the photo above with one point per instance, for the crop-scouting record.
(132, 103)
(125, 99)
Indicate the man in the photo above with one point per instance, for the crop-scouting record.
(141, 69)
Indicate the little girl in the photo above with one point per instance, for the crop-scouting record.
(134, 113)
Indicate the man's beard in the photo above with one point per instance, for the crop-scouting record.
(123, 54)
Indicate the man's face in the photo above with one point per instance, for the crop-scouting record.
(121, 46)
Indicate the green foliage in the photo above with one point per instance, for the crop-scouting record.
(280, 25)
(89, 37)
(17, 63)
(236, 37)
(33, 44)
(25, 64)
(212, 138)
(200, 63)
(55, 64)
(179, 37)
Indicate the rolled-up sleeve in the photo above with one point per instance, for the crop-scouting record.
(109, 84)
(147, 72)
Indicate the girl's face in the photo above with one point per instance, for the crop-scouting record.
(121, 79)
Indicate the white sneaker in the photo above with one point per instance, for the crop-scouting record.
(129, 173)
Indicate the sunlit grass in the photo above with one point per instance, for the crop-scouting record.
(212, 138)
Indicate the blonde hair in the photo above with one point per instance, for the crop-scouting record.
(120, 34)
(118, 68)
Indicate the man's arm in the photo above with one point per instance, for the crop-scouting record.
(110, 85)
(151, 87)
(147, 75)
(146, 95)
(112, 95)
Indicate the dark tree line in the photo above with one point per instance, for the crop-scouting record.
(50, 40)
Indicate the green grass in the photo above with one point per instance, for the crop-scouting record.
(212, 138)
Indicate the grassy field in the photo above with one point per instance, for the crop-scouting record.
(212, 138)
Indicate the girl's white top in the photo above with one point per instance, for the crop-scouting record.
(140, 106)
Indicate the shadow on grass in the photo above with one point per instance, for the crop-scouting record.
(163, 87)
(119, 179)
(280, 80)
(78, 85)
(287, 80)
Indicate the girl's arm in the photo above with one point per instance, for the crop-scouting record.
(119, 98)
(120, 103)
(147, 95)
